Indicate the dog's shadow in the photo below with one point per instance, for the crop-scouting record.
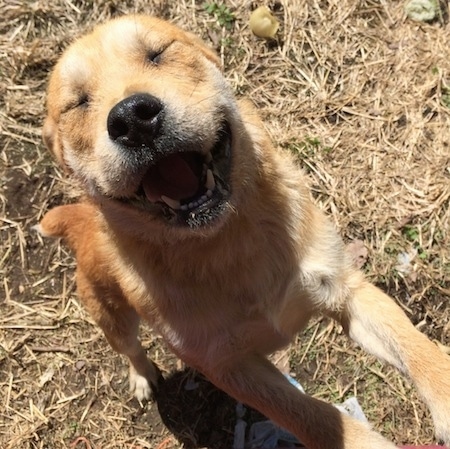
(196, 412)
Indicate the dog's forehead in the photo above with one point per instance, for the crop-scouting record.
(127, 33)
(115, 40)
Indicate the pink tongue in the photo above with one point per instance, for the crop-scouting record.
(172, 177)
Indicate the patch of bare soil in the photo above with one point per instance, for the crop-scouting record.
(357, 90)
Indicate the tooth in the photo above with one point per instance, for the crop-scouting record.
(174, 204)
(208, 158)
(209, 193)
(204, 198)
(210, 182)
(184, 207)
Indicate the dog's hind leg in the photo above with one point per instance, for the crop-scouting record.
(120, 324)
(374, 321)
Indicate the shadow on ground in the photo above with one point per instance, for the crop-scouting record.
(195, 411)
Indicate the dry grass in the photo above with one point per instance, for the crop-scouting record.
(357, 90)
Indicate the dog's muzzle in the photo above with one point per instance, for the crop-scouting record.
(189, 187)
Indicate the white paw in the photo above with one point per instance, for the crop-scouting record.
(139, 386)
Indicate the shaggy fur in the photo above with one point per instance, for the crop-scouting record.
(137, 112)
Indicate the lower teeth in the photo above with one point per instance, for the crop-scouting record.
(193, 204)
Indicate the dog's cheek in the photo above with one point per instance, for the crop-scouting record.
(74, 143)
(78, 130)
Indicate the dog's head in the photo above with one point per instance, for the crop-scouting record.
(139, 111)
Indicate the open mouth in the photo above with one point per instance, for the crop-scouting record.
(187, 187)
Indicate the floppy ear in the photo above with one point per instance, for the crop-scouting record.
(48, 133)
(52, 142)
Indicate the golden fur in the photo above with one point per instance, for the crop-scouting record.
(227, 282)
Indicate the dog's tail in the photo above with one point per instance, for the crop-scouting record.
(69, 222)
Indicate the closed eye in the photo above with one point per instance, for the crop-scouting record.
(81, 102)
(154, 56)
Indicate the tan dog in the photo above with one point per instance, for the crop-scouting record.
(195, 223)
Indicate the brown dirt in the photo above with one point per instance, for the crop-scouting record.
(357, 90)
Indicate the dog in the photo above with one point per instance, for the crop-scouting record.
(194, 222)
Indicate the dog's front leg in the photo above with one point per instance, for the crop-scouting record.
(374, 321)
(254, 381)
(120, 324)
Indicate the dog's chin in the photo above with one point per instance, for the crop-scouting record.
(187, 189)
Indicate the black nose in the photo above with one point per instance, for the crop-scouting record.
(135, 121)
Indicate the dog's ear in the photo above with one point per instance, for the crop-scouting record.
(51, 140)
(48, 133)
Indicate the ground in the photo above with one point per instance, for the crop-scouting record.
(359, 91)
